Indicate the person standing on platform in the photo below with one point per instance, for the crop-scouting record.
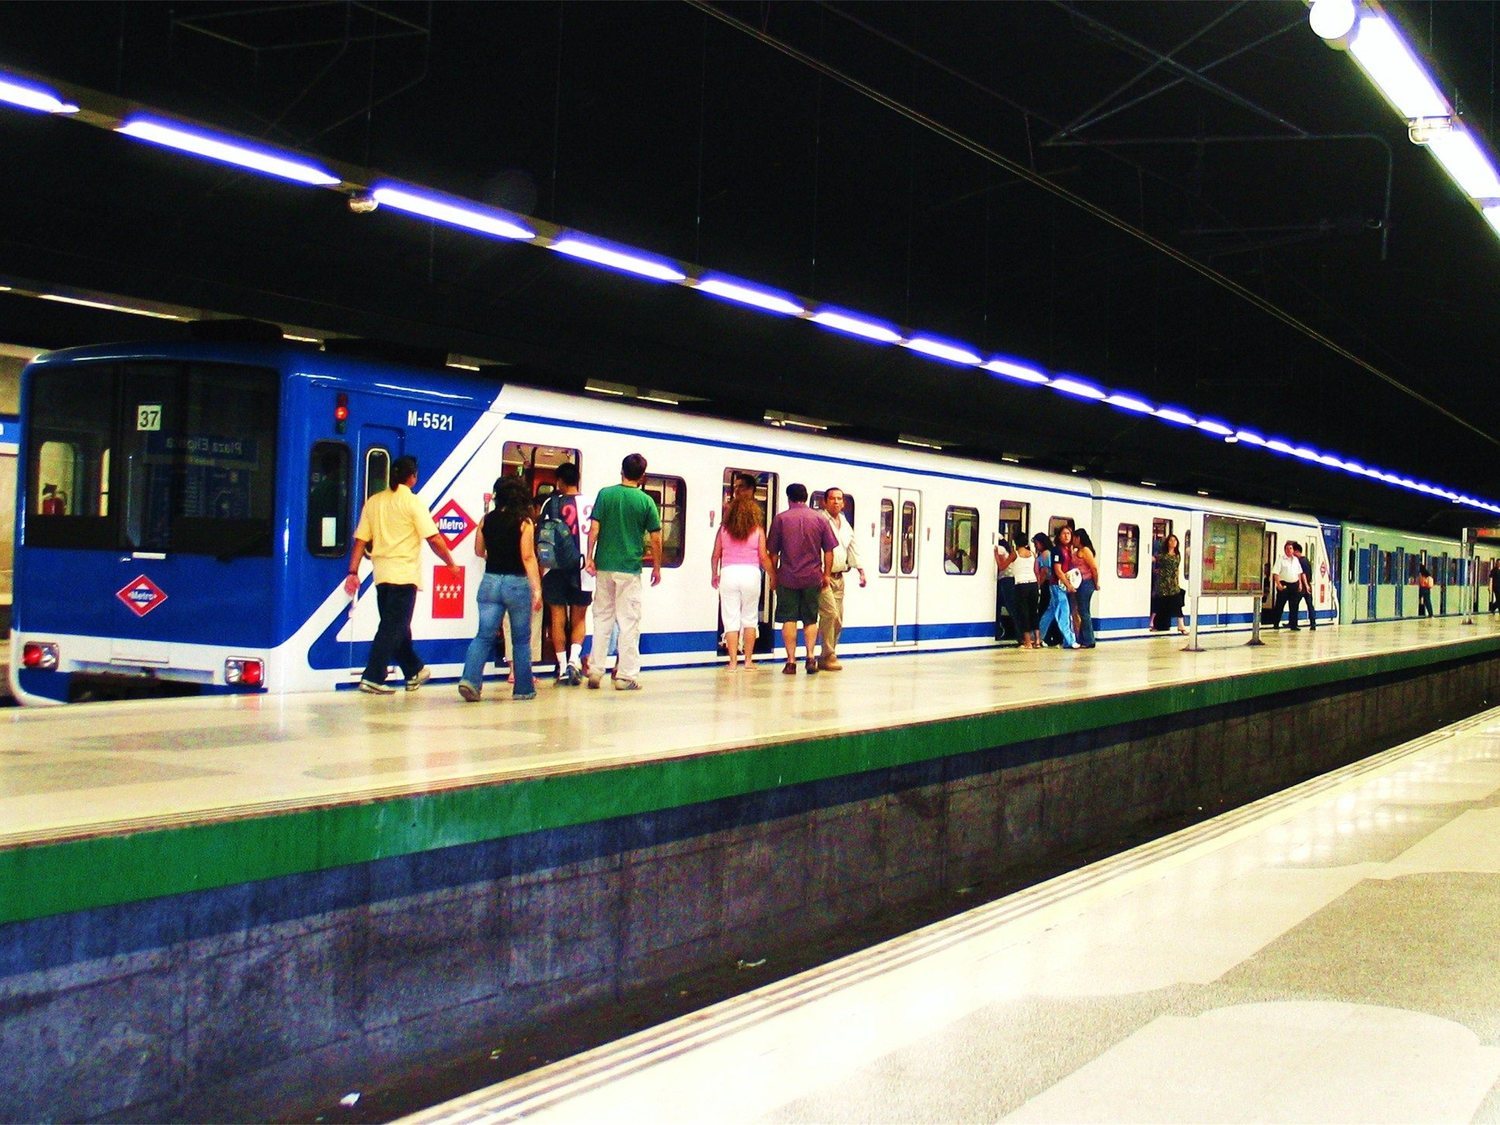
(831, 599)
(393, 524)
(1088, 570)
(1059, 609)
(1288, 575)
(1166, 588)
(1041, 547)
(623, 516)
(1023, 573)
(1305, 591)
(1424, 592)
(512, 587)
(567, 590)
(802, 543)
(739, 559)
(1007, 559)
(1495, 586)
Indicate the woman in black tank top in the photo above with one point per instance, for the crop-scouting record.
(511, 586)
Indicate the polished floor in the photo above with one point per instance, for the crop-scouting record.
(77, 772)
(1326, 954)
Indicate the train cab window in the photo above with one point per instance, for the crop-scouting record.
(908, 537)
(887, 536)
(328, 474)
(1127, 551)
(377, 471)
(196, 464)
(670, 494)
(961, 541)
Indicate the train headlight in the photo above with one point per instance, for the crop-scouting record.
(37, 654)
(245, 673)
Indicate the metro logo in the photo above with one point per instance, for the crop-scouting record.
(453, 524)
(141, 595)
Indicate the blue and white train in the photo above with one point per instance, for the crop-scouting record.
(185, 512)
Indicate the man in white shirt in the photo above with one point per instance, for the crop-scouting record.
(1288, 575)
(831, 600)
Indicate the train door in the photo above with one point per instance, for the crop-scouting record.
(537, 465)
(900, 518)
(1326, 570)
(764, 493)
(378, 447)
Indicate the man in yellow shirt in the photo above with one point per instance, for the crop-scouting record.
(393, 524)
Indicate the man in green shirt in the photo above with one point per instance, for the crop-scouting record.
(622, 517)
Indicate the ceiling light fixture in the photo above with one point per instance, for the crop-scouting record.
(1020, 372)
(1172, 414)
(1078, 388)
(617, 258)
(107, 307)
(454, 212)
(28, 96)
(1130, 403)
(741, 292)
(856, 326)
(241, 155)
(941, 349)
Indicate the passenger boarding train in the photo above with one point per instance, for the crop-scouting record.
(185, 514)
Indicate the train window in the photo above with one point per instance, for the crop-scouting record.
(1353, 553)
(887, 536)
(537, 465)
(1056, 524)
(908, 537)
(328, 473)
(68, 436)
(1387, 559)
(764, 490)
(197, 470)
(377, 470)
(670, 494)
(816, 501)
(1127, 551)
(1412, 562)
(1187, 552)
(960, 541)
(1014, 520)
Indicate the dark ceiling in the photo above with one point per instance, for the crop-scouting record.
(1200, 203)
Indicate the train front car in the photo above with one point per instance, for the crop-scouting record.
(183, 516)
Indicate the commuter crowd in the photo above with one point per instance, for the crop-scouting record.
(535, 557)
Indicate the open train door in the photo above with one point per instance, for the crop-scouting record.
(900, 521)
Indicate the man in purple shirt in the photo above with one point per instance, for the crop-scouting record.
(802, 543)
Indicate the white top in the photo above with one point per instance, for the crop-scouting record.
(1022, 568)
(1288, 569)
(845, 557)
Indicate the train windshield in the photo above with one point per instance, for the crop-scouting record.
(152, 456)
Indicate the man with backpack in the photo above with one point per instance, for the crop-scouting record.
(560, 552)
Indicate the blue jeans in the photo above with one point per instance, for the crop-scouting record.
(1059, 613)
(502, 594)
(1085, 601)
(392, 641)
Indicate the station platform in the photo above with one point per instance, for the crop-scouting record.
(257, 896)
(1324, 954)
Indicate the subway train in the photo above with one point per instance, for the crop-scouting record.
(185, 512)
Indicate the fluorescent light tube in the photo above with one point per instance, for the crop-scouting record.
(938, 349)
(1462, 158)
(1171, 414)
(226, 151)
(751, 295)
(1018, 371)
(1077, 387)
(107, 306)
(601, 255)
(855, 326)
(454, 212)
(1214, 427)
(1391, 64)
(1127, 402)
(33, 97)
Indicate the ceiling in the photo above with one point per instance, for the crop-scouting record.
(1196, 202)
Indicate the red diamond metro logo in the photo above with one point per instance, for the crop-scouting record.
(453, 523)
(142, 595)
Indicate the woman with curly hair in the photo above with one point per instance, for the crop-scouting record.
(739, 559)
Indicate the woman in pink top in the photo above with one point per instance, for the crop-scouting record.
(739, 559)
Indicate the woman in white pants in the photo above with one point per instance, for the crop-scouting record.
(739, 560)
